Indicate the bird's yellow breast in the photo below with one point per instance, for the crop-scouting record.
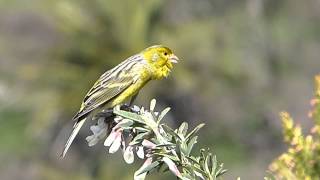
(129, 92)
(143, 79)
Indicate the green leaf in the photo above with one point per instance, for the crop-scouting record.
(162, 167)
(194, 131)
(166, 145)
(188, 171)
(182, 131)
(187, 176)
(184, 147)
(192, 159)
(192, 142)
(163, 113)
(179, 151)
(141, 129)
(125, 123)
(167, 129)
(208, 163)
(138, 138)
(220, 170)
(148, 168)
(202, 159)
(163, 154)
(199, 170)
(194, 171)
(128, 115)
(167, 136)
(214, 166)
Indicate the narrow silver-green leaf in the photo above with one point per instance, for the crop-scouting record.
(148, 168)
(214, 166)
(163, 113)
(192, 142)
(194, 131)
(184, 147)
(141, 129)
(128, 115)
(220, 170)
(167, 129)
(199, 170)
(209, 162)
(192, 159)
(125, 123)
(163, 154)
(182, 131)
(202, 158)
(166, 145)
(138, 138)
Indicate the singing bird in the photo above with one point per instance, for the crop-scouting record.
(123, 82)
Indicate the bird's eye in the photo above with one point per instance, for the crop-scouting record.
(165, 53)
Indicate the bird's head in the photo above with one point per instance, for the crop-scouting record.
(160, 59)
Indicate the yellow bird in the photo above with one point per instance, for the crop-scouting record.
(123, 82)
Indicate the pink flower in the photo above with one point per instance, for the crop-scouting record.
(128, 155)
(172, 166)
(140, 152)
(114, 141)
(137, 175)
(148, 144)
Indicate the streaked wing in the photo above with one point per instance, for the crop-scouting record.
(105, 94)
(108, 86)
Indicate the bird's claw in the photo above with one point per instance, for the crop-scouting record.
(108, 113)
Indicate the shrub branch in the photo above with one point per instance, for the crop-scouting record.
(140, 131)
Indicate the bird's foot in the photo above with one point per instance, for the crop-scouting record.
(108, 113)
(134, 108)
(105, 113)
(125, 107)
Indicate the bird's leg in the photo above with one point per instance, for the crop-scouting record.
(105, 113)
(127, 107)
(133, 98)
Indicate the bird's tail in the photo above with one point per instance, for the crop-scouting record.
(74, 133)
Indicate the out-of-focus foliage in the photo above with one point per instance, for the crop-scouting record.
(302, 160)
(238, 59)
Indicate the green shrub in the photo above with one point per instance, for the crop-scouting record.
(302, 159)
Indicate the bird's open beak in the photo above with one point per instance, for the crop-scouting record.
(174, 59)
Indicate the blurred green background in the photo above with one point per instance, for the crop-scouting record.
(243, 62)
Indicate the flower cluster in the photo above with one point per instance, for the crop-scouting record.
(140, 131)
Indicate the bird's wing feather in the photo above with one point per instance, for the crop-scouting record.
(110, 84)
(103, 92)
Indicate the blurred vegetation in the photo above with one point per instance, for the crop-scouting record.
(302, 159)
(239, 58)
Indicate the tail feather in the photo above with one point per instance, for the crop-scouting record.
(74, 133)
